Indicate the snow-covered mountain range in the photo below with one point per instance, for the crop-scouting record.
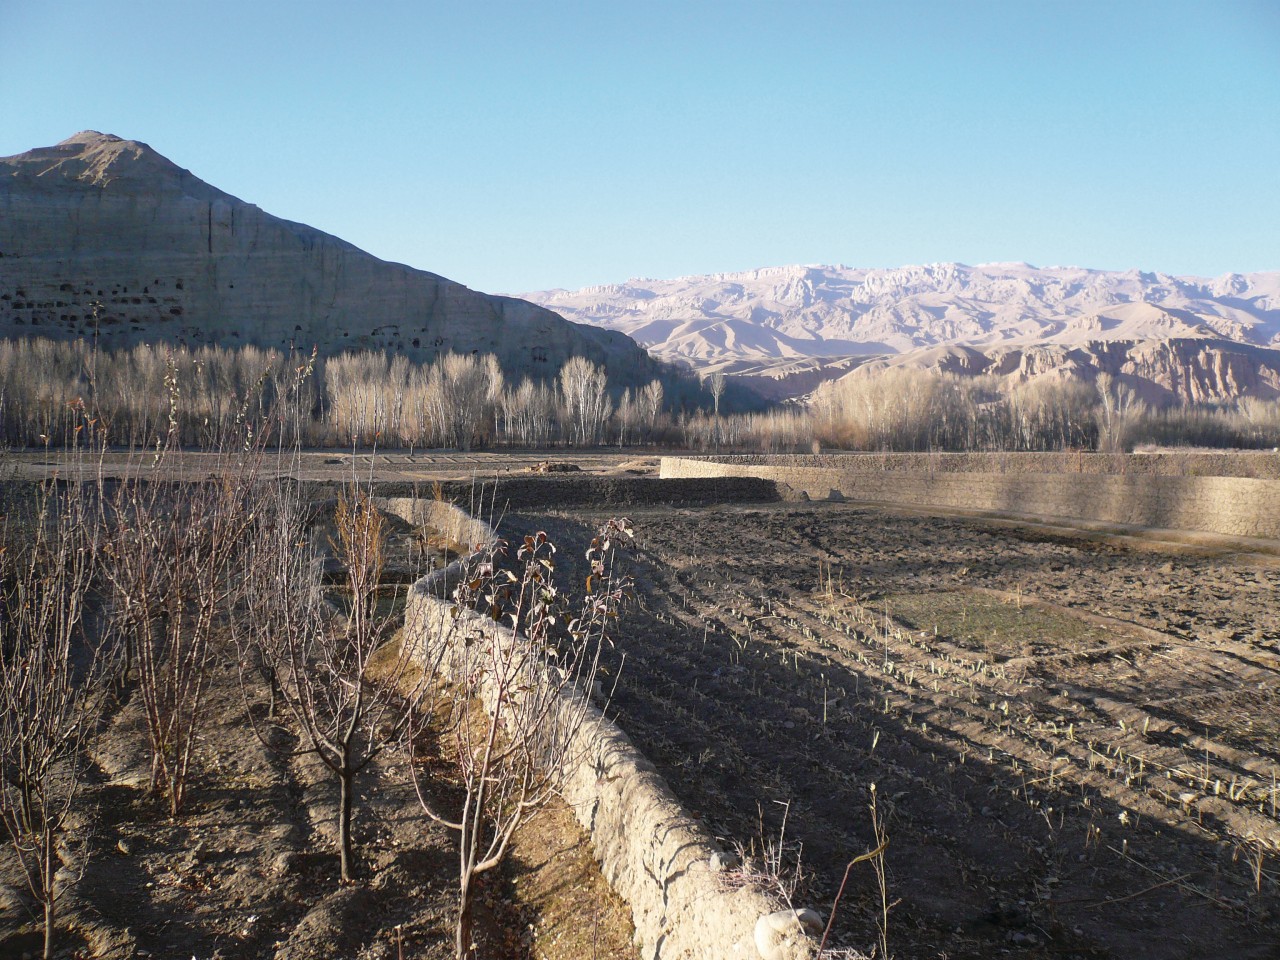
(818, 311)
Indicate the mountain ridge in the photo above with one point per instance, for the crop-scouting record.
(95, 159)
(838, 316)
(986, 301)
(105, 236)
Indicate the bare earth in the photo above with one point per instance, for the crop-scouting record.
(251, 869)
(1077, 738)
(337, 466)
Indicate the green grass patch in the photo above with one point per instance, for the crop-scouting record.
(994, 627)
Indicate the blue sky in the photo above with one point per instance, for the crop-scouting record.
(522, 146)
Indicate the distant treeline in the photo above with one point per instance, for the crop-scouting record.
(913, 410)
(149, 392)
(152, 392)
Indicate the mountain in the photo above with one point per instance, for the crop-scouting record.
(1162, 371)
(103, 234)
(788, 328)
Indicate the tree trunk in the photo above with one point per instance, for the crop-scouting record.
(47, 869)
(177, 793)
(462, 941)
(347, 779)
(157, 777)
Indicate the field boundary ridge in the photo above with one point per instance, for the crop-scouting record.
(654, 855)
(1233, 495)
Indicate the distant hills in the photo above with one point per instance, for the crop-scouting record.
(104, 236)
(790, 328)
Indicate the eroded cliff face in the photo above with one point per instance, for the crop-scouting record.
(1182, 370)
(100, 235)
(1162, 372)
(1205, 370)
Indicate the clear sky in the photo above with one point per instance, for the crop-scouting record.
(526, 145)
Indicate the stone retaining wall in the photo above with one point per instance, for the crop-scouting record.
(655, 856)
(1136, 490)
(445, 519)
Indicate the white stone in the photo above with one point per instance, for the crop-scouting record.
(788, 934)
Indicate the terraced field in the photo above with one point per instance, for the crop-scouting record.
(1075, 740)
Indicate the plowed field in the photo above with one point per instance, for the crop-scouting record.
(1076, 740)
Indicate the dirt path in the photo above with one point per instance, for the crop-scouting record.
(338, 466)
(1077, 740)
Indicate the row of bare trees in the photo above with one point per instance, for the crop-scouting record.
(893, 409)
(108, 589)
(340, 702)
(52, 681)
(911, 410)
(458, 401)
(906, 410)
(465, 401)
(487, 683)
(523, 663)
(45, 383)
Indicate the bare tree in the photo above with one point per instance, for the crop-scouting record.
(355, 390)
(539, 418)
(1047, 414)
(51, 672)
(459, 388)
(651, 404)
(169, 557)
(511, 407)
(1118, 410)
(529, 413)
(345, 696)
(716, 384)
(494, 392)
(583, 386)
(626, 415)
(532, 680)
(169, 553)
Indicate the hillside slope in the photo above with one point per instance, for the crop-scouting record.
(100, 233)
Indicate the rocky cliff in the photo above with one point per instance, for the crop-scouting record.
(1162, 371)
(105, 236)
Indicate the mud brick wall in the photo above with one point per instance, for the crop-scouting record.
(1258, 465)
(1174, 493)
(651, 851)
(517, 494)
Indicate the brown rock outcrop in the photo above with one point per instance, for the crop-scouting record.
(1180, 370)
